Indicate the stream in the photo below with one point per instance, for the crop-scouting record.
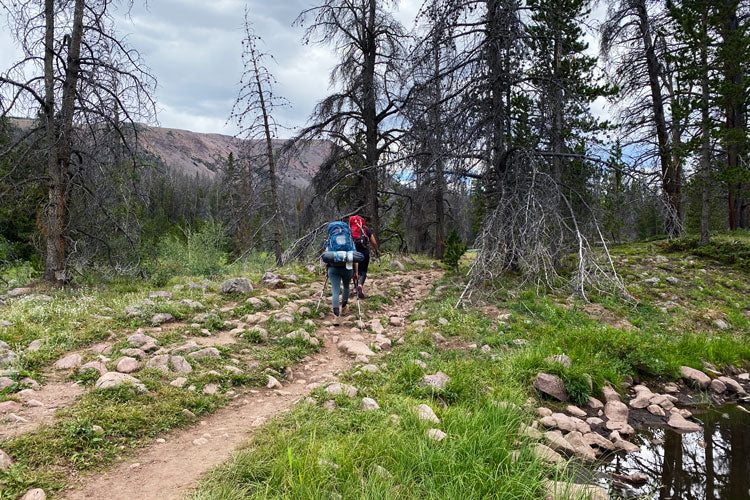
(712, 464)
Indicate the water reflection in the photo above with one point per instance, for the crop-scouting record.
(713, 464)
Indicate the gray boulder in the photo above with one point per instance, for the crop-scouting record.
(551, 385)
(236, 285)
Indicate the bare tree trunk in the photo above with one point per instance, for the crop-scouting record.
(371, 125)
(705, 147)
(271, 169)
(670, 174)
(498, 81)
(437, 155)
(57, 210)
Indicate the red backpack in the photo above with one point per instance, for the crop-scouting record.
(357, 225)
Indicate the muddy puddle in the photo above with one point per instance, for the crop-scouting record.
(712, 464)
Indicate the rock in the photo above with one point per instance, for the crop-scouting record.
(561, 490)
(557, 442)
(419, 363)
(236, 285)
(94, 365)
(133, 353)
(355, 348)
(233, 370)
(160, 362)
(582, 448)
(370, 368)
(595, 439)
(396, 321)
(594, 421)
(369, 404)
(721, 324)
(424, 412)
(575, 411)
(663, 400)
(376, 326)
(35, 345)
(5, 461)
(6, 382)
(35, 494)
(671, 388)
(127, 364)
(623, 445)
(732, 385)
(520, 342)
(160, 294)
(437, 381)
(594, 404)
(656, 410)
(9, 406)
(7, 358)
(208, 352)
(678, 422)
(187, 413)
(161, 318)
(116, 379)
(543, 412)
(397, 265)
(547, 454)
(283, 318)
(192, 304)
(651, 281)
(256, 302)
(531, 432)
(68, 362)
(185, 348)
(561, 359)
(437, 338)
(138, 339)
(273, 383)
(642, 399)
(552, 386)
(179, 382)
(180, 364)
(18, 292)
(672, 280)
(616, 411)
(695, 377)
(436, 435)
(210, 388)
(717, 386)
(338, 388)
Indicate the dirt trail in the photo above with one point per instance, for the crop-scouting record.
(168, 470)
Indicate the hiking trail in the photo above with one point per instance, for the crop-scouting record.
(173, 464)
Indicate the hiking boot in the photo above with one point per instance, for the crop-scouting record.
(343, 308)
(360, 293)
(336, 316)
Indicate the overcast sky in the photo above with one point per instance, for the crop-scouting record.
(193, 47)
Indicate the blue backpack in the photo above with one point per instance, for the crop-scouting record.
(340, 237)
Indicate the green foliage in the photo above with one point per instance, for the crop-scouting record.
(731, 251)
(199, 253)
(454, 249)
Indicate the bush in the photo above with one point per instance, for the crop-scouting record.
(454, 249)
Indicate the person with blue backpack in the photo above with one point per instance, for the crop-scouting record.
(342, 264)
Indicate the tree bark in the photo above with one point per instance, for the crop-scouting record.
(437, 155)
(57, 210)
(271, 167)
(671, 181)
(705, 145)
(498, 82)
(369, 112)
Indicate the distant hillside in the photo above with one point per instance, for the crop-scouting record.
(198, 153)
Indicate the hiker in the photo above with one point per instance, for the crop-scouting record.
(342, 267)
(363, 238)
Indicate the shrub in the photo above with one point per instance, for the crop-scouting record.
(454, 249)
(199, 253)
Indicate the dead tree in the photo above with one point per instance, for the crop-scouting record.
(368, 76)
(253, 113)
(78, 78)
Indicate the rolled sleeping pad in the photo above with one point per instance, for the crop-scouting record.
(334, 258)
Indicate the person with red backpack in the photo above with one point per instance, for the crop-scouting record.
(363, 238)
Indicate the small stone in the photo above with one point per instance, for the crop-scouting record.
(200, 441)
(127, 365)
(236, 285)
(436, 435)
(552, 386)
(179, 382)
(677, 421)
(273, 383)
(398, 265)
(6, 382)
(651, 281)
(208, 352)
(210, 388)
(370, 368)
(717, 386)
(35, 345)
(161, 318)
(656, 410)
(35, 494)
(396, 321)
(437, 381)
(160, 294)
(369, 404)
(338, 388)
(672, 280)
(424, 412)
(732, 385)
(138, 339)
(594, 404)
(160, 362)
(562, 359)
(419, 363)
(116, 379)
(575, 411)
(69, 362)
(696, 377)
(721, 324)
(355, 348)
(543, 412)
(187, 413)
(5, 461)
(180, 365)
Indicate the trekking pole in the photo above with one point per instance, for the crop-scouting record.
(359, 312)
(321, 293)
